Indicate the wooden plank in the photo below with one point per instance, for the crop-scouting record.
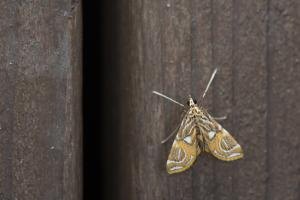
(140, 144)
(222, 93)
(249, 97)
(283, 106)
(147, 151)
(40, 100)
(7, 54)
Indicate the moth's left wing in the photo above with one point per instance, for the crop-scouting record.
(183, 152)
(222, 145)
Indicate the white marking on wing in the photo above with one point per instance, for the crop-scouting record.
(179, 154)
(233, 155)
(191, 159)
(188, 139)
(177, 162)
(175, 168)
(179, 167)
(211, 134)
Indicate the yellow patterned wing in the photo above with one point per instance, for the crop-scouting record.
(222, 145)
(183, 152)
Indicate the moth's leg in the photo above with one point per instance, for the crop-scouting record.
(173, 133)
(220, 118)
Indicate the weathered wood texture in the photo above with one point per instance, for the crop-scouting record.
(40, 101)
(172, 46)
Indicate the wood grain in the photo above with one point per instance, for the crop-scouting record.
(40, 118)
(249, 97)
(171, 46)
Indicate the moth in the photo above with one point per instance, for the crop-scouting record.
(199, 132)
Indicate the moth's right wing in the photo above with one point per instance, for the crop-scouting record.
(222, 145)
(184, 151)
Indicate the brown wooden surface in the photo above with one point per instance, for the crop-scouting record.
(40, 101)
(172, 46)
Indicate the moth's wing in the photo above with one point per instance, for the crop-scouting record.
(222, 145)
(183, 152)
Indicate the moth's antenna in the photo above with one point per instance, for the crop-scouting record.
(164, 96)
(210, 81)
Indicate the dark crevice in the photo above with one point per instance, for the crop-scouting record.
(100, 99)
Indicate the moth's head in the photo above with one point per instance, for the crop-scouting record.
(191, 102)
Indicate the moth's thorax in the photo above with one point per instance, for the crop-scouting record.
(201, 118)
(195, 110)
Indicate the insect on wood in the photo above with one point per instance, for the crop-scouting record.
(199, 132)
